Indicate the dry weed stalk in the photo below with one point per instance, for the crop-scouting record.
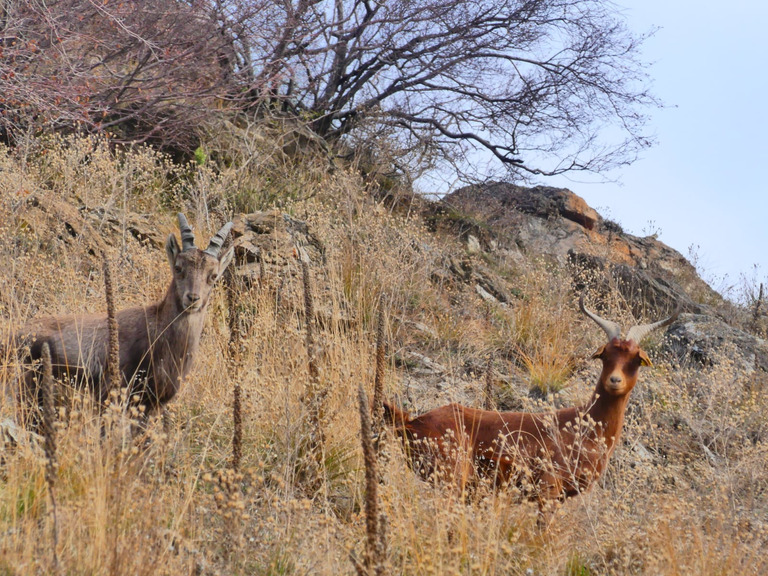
(49, 444)
(375, 521)
(237, 433)
(228, 488)
(114, 377)
(121, 396)
(235, 361)
(234, 321)
(378, 386)
(313, 395)
(755, 324)
(490, 402)
(309, 315)
(113, 358)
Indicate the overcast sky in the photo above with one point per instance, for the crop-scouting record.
(704, 183)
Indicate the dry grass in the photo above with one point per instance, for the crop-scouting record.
(540, 330)
(687, 492)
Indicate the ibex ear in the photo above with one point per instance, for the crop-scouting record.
(599, 353)
(225, 260)
(171, 249)
(644, 360)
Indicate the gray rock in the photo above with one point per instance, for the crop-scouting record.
(419, 363)
(485, 295)
(698, 339)
(473, 244)
(556, 223)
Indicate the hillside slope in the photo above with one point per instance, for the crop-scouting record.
(479, 292)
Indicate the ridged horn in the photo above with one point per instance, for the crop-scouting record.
(187, 236)
(612, 329)
(637, 333)
(214, 247)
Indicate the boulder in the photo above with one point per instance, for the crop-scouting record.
(700, 339)
(267, 247)
(555, 223)
(541, 201)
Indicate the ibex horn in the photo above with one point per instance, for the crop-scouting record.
(218, 240)
(187, 237)
(637, 333)
(612, 329)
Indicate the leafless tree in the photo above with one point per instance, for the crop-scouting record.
(149, 70)
(542, 86)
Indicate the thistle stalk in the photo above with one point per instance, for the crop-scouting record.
(375, 521)
(378, 386)
(49, 444)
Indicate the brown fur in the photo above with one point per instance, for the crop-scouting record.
(549, 456)
(158, 343)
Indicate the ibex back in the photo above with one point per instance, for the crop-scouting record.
(158, 343)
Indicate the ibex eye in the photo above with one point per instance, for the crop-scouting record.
(178, 269)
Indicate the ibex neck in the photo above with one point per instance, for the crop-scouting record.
(608, 413)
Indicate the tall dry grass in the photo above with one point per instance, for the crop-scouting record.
(686, 493)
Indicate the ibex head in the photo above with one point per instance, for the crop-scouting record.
(622, 358)
(195, 271)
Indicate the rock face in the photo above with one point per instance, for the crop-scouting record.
(705, 340)
(558, 224)
(59, 222)
(520, 223)
(541, 201)
(265, 245)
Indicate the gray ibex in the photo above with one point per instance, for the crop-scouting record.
(158, 343)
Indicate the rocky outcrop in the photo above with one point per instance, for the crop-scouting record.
(57, 222)
(265, 246)
(541, 201)
(558, 224)
(705, 340)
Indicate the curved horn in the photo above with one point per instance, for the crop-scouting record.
(214, 247)
(612, 329)
(187, 237)
(637, 333)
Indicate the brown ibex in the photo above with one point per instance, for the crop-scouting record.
(158, 343)
(548, 456)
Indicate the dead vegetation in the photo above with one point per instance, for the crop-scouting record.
(250, 490)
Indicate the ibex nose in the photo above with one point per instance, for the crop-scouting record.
(193, 298)
(615, 379)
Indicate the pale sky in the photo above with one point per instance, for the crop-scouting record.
(704, 183)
